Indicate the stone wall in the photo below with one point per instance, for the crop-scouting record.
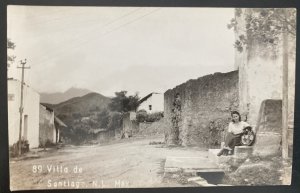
(152, 128)
(200, 106)
(105, 136)
(130, 127)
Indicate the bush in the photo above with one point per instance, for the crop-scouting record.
(15, 148)
(143, 116)
(115, 121)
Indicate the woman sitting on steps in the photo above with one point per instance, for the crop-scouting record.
(235, 130)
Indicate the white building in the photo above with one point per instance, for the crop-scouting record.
(153, 102)
(31, 104)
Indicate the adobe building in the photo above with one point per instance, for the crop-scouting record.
(30, 123)
(261, 69)
(49, 126)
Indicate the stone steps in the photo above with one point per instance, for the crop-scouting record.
(240, 153)
(193, 166)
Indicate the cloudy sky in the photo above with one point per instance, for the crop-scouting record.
(108, 49)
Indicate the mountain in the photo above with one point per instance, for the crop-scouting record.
(58, 97)
(82, 115)
(83, 105)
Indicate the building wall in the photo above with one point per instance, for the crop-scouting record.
(47, 126)
(31, 103)
(260, 73)
(261, 76)
(156, 101)
(204, 100)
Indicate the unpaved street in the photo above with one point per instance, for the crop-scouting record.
(127, 163)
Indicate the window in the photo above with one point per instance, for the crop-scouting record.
(150, 107)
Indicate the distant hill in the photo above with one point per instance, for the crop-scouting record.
(82, 115)
(58, 97)
(83, 105)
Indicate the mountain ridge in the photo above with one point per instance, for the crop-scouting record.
(58, 97)
(83, 104)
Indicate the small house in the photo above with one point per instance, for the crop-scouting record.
(153, 102)
(50, 126)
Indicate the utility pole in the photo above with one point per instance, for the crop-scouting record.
(21, 105)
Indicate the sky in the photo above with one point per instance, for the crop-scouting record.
(109, 49)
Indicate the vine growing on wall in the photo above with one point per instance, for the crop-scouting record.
(176, 118)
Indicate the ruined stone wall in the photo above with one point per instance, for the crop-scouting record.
(130, 127)
(205, 105)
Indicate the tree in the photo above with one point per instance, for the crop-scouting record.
(141, 116)
(115, 121)
(10, 58)
(122, 103)
(103, 118)
(264, 25)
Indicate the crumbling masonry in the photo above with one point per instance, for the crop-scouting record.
(198, 111)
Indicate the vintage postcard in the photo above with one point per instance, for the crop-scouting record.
(150, 97)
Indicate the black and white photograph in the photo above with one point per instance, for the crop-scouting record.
(106, 97)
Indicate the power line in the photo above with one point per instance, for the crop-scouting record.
(107, 33)
(55, 18)
(106, 24)
(130, 22)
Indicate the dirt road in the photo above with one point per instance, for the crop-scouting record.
(124, 164)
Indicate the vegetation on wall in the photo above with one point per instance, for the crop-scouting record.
(264, 25)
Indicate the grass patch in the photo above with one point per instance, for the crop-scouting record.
(256, 171)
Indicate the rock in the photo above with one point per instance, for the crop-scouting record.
(204, 183)
(194, 179)
(252, 167)
(267, 144)
(172, 170)
(175, 176)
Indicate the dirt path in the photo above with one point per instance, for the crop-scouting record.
(128, 163)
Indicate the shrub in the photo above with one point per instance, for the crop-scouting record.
(15, 148)
(143, 116)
